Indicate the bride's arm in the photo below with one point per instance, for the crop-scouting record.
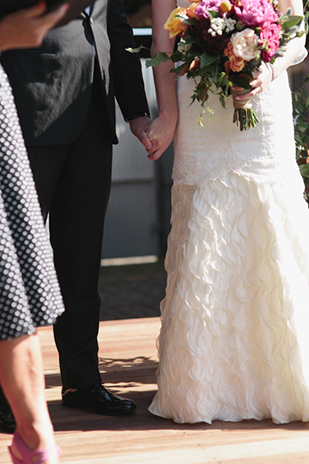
(162, 129)
(296, 45)
(264, 76)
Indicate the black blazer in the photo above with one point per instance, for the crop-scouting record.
(52, 84)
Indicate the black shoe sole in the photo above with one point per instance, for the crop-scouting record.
(95, 411)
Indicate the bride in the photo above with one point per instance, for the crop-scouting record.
(234, 340)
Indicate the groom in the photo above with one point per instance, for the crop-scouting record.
(64, 93)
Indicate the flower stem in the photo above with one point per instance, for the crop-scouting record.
(245, 118)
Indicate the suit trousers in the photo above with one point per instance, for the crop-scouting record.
(73, 183)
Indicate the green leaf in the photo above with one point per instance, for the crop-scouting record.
(298, 139)
(192, 53)
(242, 81)
(200, 119)
(157, 58)
(178, 69)
(177, 56)
(206, 72)
(304, 170)
(190, 39)
(289, 21)
(184, 20)
(213, 14)
(210, 111)
(136, 50)
(206, 59)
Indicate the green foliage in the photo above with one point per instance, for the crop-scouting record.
(206, 60)
(301, 117)
(289, 21)
(306, 14)
(157, 58)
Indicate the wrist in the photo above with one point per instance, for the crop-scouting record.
(271, 67)
(137, 115)
(168, 116)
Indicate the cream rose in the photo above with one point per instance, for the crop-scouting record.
(245, 44)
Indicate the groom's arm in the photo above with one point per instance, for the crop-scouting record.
(126, 69)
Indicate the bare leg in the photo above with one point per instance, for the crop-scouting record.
(22, 380)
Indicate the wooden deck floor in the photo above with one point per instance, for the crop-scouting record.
(128, 362)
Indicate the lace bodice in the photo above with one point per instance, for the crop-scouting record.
(204, 153)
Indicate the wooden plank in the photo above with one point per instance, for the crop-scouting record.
(128, 362)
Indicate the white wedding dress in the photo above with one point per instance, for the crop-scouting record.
(234, 342)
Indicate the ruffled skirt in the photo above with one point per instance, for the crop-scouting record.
(234, 340)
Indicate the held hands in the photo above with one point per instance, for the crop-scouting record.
(155, 135)
(139, 127)
(27, 28)
(161, 133)
(261, 80)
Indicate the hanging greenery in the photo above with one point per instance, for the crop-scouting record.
(301, 118)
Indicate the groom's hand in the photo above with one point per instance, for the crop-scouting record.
(139, 127)
(161, 133)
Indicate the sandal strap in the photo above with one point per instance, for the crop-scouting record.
(28, 455)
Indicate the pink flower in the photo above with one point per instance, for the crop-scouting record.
(271, 35)
(256, 13)
(201, 9)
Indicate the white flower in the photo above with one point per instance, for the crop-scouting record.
(229, 24)
(245, 44)
(183, 47)
(217, 26)
(220, 25)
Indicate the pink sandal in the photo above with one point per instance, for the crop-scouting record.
(27, 454)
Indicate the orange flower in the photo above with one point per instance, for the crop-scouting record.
(190, 10)
(173, 24)
(236, 63)
(228, 51)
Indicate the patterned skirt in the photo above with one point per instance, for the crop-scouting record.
(29, 291)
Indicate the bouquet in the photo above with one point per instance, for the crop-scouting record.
(220, 43)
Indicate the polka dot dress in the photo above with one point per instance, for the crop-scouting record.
(29, 291)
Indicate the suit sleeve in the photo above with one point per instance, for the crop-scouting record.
(126, 68)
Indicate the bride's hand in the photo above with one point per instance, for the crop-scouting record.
(161, 133)
(261, 80)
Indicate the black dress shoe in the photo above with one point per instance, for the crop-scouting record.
(98, 400)
(7, 421)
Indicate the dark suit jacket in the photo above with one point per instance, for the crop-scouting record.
(52, 84)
